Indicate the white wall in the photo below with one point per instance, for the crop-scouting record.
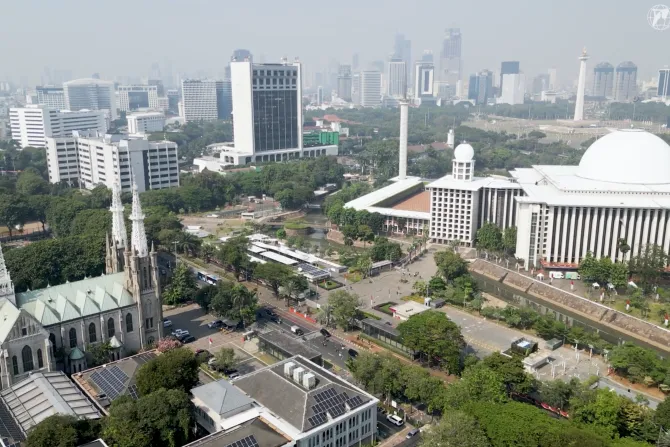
(243, 111)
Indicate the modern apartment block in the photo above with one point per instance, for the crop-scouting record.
(397, 78)
(90, 159)
(133, 97)
(90, 94)
(33, 124)
(224, 99)
(52, 97)
(344, 83)
(199, 100)
(146, 122)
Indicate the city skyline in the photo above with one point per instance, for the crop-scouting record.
(370, 33)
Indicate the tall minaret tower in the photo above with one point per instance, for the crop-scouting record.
(6, 284)
(141, 274)
(402, 162)
(579, 104)
(119, 240)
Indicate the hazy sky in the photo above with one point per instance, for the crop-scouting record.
(123, 37)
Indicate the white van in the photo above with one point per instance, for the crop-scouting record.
(556, 275)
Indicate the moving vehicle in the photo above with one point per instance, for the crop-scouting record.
(216, 324)
(556, 275)
(353, 353)
(395, 420)
(167, 323)
(572, 275)
(297, 330)
(208, 278)
(413, 433)
(324, 332)
(179, 332)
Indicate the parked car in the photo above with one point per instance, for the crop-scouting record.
(179, 332)
(203, 353)
(325, 333)
(413, 433)
(233, 375)
(167, 323)
(353, 353)
(297, 330)
(395, 420)
(188, 339)
(216, 324)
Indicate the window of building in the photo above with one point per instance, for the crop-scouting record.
(40, 360)
(92, 335)
(129, 323)
(73, 338)
(111, 330)
(15, 365)
(24, 331)
(27, 358)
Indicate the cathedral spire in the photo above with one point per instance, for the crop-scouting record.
(119, 234)
(138, 235)
(6, 285)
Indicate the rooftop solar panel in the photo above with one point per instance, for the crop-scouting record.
(248, 441)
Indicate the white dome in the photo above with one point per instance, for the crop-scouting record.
(631, 156)
(464, 152)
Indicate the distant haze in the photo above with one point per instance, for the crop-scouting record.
(123, 38)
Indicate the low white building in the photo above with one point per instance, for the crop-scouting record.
(146, 122)
(404, 311)
(133, 97)
(90, 160)
(33, 124)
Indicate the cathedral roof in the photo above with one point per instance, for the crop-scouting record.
(77, 299)
(8, 316)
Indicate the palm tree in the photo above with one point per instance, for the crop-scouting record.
(188, 243)
(623, 247)
(207, 252)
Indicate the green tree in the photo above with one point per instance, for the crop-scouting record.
(512, 371)
(281, 233)
(273, 274)
(233, 253)
(489, 237)
(450, 265)
(509, 240)
(13, 212)
(662, 414)
(455, 429)
(234, 301)
(100, 354)
(600, 408)
(344, 307)
(181, 287)
(175, 369)
(619, 274)
(31, 184)
(623, 247)
(437, 284)
(225, 359)
(478, 383)
(203, 296)
(38, 206)
(207, 252)
(420, 287)
(164, 417)
(558, 393)
(432, 334)
(62, 430)
(293, 286)
(649, 265)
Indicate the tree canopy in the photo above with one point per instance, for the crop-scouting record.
(176, 369)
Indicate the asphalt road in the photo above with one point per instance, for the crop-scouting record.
(411, 442)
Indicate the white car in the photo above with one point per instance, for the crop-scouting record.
(395, 420)
(167, 323)
(180, 333)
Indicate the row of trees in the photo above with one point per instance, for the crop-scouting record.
(491, 238)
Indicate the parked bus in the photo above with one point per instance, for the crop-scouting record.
(201, 276)
(212, 279)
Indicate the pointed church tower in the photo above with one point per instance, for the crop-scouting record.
(119, 240)
(6, 285)
(141, 274)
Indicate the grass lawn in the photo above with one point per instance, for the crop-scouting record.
(652, 315)
(353, 277)
(386, 308)
(417, 298)
(329, 285)
(369, 315)
(295, 225)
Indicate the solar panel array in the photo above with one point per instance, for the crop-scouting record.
(132, 391)
(355, 402)
(328, 401)
(110, 380)
(312, 270)
(9, 429)
(248, 441)
(144, 358)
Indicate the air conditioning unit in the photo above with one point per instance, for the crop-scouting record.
(298, 374)
(288, 369)
(309, 381)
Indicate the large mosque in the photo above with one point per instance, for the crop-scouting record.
(620, 191)
(122, 307)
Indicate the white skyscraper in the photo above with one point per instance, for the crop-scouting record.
(371, 88)
(424, 82)
(579, 104)
(514, 89)
(33, 124)
(397, 78)
(52, 97)
(90, 94)
(199, 100)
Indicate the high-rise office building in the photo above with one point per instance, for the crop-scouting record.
(553, 79)
(32, 125)
(239, 55)
(355, 63)
(344, 83)
(450, 57)
(513, 89)
(224, 99)
(402, 50)
(663, 83)
(356, 88)
(91, 94)
(160, 88)
(397, 78)
(133, 97)
(508, 67)
(199, 100)
(625, 81)
(52, 97)
(480, 88)
(424, 81)
(427, 56)
(541, 83)
(319, 95)
(370, 88)
(603, 80)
